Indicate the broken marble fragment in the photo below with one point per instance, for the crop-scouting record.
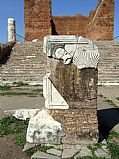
(22, 114)
(43, 128)
(76, 49)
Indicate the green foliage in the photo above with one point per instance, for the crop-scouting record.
(43, 148)
(5, 88)
(114, 150)
(16, 93)
(20, 140)
(91, 157)
(10, 125)
(94, 148)
(113, 134)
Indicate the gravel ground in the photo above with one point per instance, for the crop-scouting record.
(19, 102)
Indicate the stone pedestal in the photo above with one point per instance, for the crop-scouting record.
(11, 30)
(70, 87)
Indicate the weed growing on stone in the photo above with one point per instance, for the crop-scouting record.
(117, 98)
(16, 93)
(113, 134)
(110, 102)
(91, 157)
(94, 148)
(114, 150)
(43, 148)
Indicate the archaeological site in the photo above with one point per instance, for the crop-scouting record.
(70, 56)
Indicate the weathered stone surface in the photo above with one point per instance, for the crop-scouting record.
(69, 153)
(102, 153)
(84, 55)
(11, 30)
(22, 114)
(25, 64)
(56, 146)
(27, 146)
(85, 152)
(42, 155)
(78, 147)
(54, 152)
(53, 99)
(43, 128)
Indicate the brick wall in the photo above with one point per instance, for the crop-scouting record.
(80, 120)
(37, 15)
(70, 25)
(99, 25)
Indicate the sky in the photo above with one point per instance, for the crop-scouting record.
(15, 9)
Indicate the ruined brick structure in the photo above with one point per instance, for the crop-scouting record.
(37, 18)
(39, 22)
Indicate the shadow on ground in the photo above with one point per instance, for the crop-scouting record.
(107, 119)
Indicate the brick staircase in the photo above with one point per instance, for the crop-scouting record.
(109, 63)
(25, 64)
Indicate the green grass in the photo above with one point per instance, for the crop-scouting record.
(110, 102)
(20, 140)
(113, 134)
(16, 93)
(11, 125)
(91, 157)
(114, 150)
(5, 88)
(31, 151)
(94, 148)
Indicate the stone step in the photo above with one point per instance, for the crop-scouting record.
(42, 155)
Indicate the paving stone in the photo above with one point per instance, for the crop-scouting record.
(104, 142)
(59, 147)
(28, 146)
(68, 153)
(68, 146)
(54, 152)
(85, 152)
(102, 153)
(78, 147)
(42, 155)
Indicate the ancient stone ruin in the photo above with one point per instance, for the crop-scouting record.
(11, 30)
(39, 22)
(70, 91)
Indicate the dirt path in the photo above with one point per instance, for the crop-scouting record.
(108, 114)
